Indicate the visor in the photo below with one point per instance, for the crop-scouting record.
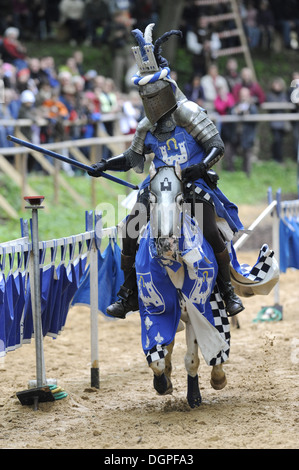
(158, 99)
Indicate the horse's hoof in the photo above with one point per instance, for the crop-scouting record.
(193, 394)
(218, 383)
(162, 384)
(194, 402)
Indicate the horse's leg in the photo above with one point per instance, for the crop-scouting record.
(218, 378)
(235, 322)
(162, 372)
(168, 366)
(192, 364)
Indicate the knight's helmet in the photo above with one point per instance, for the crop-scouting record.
(159, 92)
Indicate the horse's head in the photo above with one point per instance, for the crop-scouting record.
(166, 196)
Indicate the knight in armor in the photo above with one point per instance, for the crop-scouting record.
(174, 129)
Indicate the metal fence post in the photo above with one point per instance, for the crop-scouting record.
(93, 277)
(94, 371)
(35, 204)
(276, 242)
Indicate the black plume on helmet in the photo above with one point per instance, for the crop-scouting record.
(158, 49)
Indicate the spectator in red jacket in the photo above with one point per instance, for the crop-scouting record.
(247, 81)
(224, 101)
(13, 52)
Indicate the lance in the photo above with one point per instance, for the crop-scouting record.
(71, 161)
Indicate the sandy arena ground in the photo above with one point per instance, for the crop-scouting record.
(258, 409)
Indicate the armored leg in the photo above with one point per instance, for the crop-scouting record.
(211, 233)
(128, 294)
(232, 302)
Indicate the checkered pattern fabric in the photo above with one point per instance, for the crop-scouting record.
(156, 353)
(260, 270)
(200, 193)
(221, 324)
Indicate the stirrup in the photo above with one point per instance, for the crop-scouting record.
(124, 293)
(237, 310)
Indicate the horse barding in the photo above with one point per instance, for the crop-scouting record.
(177, 287)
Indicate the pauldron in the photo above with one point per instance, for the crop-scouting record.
(139, 137)
(196, 122)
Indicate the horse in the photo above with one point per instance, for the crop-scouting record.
(176, 275)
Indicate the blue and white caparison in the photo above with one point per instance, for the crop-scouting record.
(177, 287)
(176, 274)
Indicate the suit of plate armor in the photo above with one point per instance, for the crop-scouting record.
(166, 109)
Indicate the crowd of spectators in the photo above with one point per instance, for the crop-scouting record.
(237, 93)
(268, 25)
(73, 101)
(77, 20)
(64, 103)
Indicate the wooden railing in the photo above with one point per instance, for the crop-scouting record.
(18, 171)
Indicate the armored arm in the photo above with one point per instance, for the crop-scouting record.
(196, 122)
(133, 157)
(215, 154)
(118, 163)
